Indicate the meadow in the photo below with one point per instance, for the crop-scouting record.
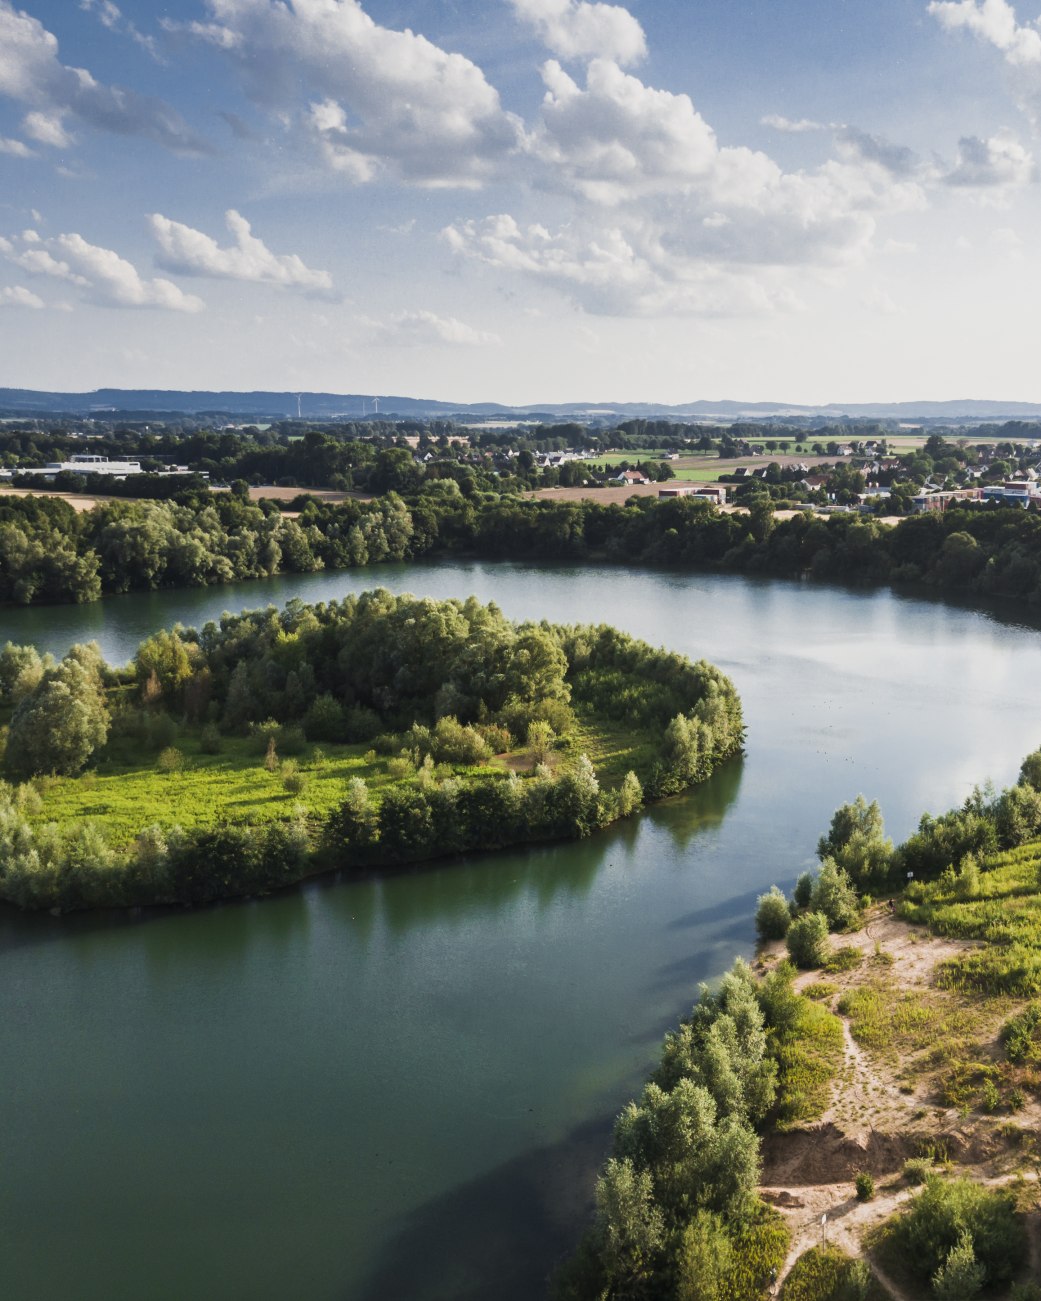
(185, 786)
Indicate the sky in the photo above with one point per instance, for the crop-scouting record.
(523, 200)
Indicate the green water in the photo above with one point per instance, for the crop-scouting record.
(401, 1088)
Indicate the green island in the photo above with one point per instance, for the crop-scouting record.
(366, 733)
(853, 1117)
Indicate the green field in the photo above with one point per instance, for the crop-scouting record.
(232, 786)
(122, 793)
(709, 474)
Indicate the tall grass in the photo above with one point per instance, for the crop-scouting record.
(1002, 912)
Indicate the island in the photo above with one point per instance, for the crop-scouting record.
(357, 735)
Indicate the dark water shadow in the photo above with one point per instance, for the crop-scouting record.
(449, 888)
(499, 1237)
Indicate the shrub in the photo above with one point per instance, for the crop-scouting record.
(210, 742)
(968, 883)
(947, 1210)
(292, 740)
(807, 940)
(170, 760)
(325, 720)
(826, 1274)
(865, 1186)
(454, 743)
(162, 731)
(803, 890)
(917, 1169)
(361, 724)
(961, 1276)
(498, 738)
(772, 917)
(294, 782)
(990, 1099)
(540, 740)
(1018, 1034)
(262, 734)
(848, 958)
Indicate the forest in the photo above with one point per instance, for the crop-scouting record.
(362, 734)
(50, 554)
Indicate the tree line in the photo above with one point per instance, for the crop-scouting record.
(48, 553)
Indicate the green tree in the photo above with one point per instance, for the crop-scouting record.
(961, 1276)
(772, 915)
(631, 1227)
(704, 1259)
(834, 896)
(857, 842)
(807, 940)
(61, 723)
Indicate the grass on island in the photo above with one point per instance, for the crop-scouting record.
(126, 789)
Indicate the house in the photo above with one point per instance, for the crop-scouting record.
(941, 500)
(710, 492)
(82, 464)
(629, 477)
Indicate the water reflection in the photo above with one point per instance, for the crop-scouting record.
(700, 810)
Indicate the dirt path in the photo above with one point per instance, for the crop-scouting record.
(846, 1223)
(880, 1114)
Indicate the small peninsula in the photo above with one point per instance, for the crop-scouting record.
(850, 1118)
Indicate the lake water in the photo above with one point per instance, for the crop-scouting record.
(397, 1089)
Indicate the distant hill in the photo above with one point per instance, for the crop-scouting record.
(355, 406)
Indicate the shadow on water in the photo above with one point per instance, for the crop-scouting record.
(500, 1236)
(444, 890)
(699, 810)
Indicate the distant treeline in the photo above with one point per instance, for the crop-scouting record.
(48, 553)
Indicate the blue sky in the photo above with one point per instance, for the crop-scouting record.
(522, 200)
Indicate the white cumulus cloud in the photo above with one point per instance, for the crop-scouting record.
(994, 21)
(191, 252)
(1001, 162)
(668, 220)
(15, 148)
(792, 126)
(575, 29)
(18, 296)
(371, 98)
(32, 74)
(47, 129)
(100, 274)
(426, 329)
(613, 271)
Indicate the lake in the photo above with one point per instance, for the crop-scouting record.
(397, 1089)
